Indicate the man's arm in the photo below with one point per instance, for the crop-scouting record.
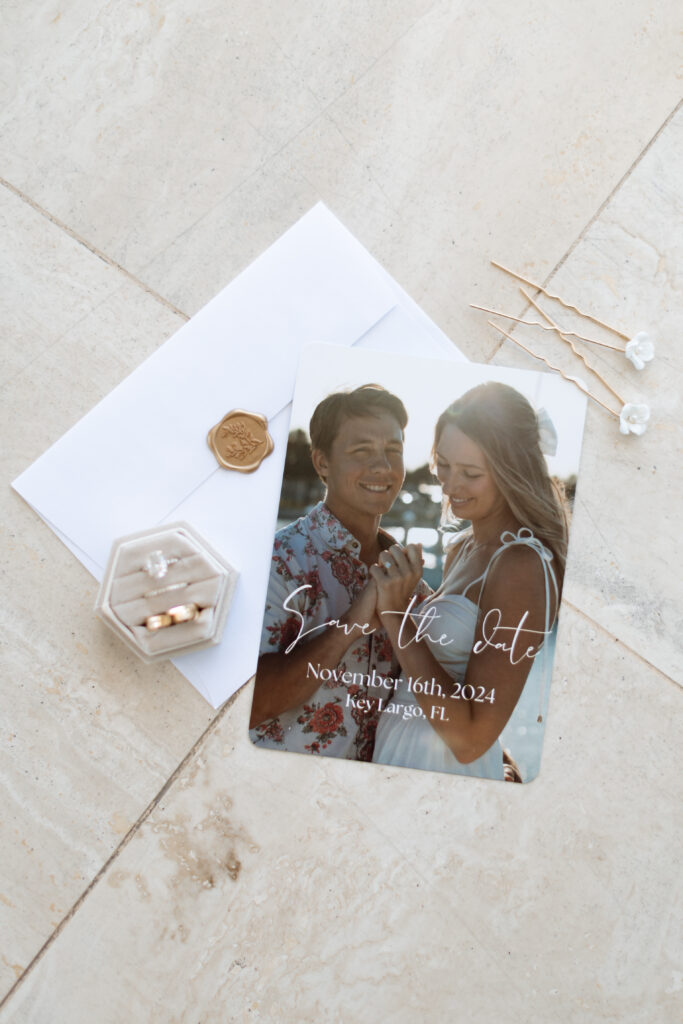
(281, 679)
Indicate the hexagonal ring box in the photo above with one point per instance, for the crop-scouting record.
(166, 591)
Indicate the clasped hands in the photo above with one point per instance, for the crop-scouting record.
(392, 582)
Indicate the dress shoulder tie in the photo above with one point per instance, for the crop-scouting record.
(525, 537)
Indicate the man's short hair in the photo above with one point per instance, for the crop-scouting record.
(367, 400)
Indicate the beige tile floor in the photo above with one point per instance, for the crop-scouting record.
(154, 866)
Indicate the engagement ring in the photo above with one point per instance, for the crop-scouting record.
(156, 564)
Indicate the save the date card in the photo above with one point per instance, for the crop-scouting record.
(418, 562)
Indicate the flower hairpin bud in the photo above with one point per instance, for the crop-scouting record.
(639, 349)
(633, 416)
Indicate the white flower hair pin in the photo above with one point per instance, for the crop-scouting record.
(639, 349)
(633, 416)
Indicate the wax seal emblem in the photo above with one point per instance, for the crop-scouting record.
(241, 440)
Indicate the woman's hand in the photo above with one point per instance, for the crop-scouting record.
(398, 573)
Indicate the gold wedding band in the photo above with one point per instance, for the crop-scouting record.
(173, 617)
(161, 621)
(183, 613)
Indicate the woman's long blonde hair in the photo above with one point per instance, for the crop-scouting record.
(504, 425)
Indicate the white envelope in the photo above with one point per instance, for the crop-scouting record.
(140, 457)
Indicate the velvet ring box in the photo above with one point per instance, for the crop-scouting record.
(166, 591)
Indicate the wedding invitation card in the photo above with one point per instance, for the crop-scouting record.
(418, 561)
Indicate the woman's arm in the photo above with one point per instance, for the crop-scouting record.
(510, 628)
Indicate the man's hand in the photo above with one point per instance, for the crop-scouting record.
(363, 611)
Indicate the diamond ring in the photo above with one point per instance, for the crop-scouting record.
(157, 565)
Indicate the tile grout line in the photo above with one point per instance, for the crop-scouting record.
(288, 142)
(91, 248)
(618, 640)
(257, 170)
(579, 238)
(548, 278)
(113, 856)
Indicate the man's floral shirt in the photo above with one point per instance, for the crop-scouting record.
(318, 553)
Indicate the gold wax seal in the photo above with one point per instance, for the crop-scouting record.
(241, 440)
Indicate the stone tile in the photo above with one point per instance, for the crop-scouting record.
(626, 270)
(332, 46)
(480, 133)
(272, 887)
(91, 733)
(48, 283)
(254, 892)
(131, 122)
(269, 886)
(487, 134)
(569, 881)
(205, 258)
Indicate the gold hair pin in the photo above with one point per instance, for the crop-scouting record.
(639, 349)
(544, 327)
(633, 416)
(565, 338)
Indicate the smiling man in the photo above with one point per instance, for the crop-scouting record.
(326, 665)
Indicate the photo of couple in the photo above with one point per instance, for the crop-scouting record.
(403, 652)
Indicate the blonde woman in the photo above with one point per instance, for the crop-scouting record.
(466, 654)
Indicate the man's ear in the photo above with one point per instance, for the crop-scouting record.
(319, 460)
